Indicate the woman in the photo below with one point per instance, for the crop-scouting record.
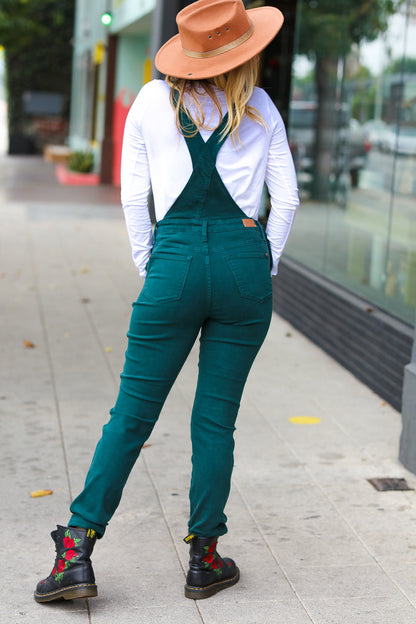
(206, 139)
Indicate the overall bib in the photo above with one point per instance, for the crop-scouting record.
(208, 273)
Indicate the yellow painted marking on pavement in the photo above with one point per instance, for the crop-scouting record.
(305, 420)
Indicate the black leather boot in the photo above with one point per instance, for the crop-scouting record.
(72, 575)
(208, 572)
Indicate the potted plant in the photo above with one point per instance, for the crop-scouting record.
(79, 170)
(81, 162)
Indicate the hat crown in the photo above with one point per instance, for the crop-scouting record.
(216, 36)
(207, 25)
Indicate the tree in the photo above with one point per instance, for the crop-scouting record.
(328, 31)
(363, 90)
(408, 66)
(36, 35)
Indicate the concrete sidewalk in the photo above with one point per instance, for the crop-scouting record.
(314, 541)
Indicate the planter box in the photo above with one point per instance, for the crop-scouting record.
(65, 176)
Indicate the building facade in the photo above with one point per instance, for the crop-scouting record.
(116, 55)
(343, 75)
(352, 128)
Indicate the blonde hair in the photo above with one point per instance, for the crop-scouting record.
(237, 85)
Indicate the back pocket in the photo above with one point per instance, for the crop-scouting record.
(166, 276)
(251, 274)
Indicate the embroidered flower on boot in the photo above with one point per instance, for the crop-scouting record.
(211, 560)
(67, 558)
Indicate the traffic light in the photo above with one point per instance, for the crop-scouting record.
(106, 18)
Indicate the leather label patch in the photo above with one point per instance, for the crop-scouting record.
(249, 223)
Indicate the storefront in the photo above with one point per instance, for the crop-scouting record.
(348, 278)
(352, 127)
(112, 60)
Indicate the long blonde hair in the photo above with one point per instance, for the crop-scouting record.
(237, 84)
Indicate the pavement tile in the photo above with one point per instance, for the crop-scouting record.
(108, 612)
(362, 610)
(342, 581)
(26, 610)
(256, 611)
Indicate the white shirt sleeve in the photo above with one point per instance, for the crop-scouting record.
(282, 186)
(135, 186)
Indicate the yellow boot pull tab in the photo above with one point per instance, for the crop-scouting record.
(91, 533)
(188, 538)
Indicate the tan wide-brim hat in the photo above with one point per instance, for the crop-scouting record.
(216, 36)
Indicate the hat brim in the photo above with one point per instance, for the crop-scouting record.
(171, 60)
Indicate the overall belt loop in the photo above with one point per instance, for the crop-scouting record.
(205, 230)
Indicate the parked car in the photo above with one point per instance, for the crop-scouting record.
(400, 140)
(377, 131)
(350, 141)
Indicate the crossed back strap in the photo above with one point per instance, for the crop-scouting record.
(205, 194)
(196, 143)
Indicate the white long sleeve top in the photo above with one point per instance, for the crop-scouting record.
(155, 155)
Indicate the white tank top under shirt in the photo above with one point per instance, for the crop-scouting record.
(155, 154)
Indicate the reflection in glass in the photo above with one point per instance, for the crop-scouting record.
(352, 131)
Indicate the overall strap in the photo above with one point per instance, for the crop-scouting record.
(196, 144)
(204, 195)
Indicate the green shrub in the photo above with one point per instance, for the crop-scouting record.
(82, 162)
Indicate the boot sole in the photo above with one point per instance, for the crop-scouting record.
(199, 593)
(88, 590)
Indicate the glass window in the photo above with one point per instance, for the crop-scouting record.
(352, 131)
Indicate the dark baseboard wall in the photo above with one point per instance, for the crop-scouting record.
(374, 346)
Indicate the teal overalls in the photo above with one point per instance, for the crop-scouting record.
(209, 272)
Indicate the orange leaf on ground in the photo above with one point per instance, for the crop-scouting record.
(39, 493)
(29, 344)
